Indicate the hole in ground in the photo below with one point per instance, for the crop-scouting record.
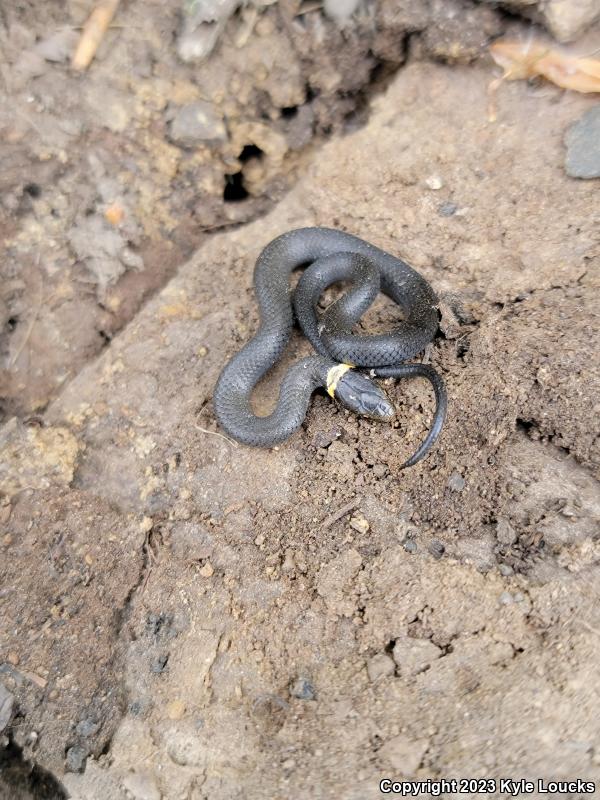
(250, 151)
(234, 190)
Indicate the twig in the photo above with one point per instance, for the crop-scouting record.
(93, 33)
(341, 512)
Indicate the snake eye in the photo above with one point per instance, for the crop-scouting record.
(361, 395)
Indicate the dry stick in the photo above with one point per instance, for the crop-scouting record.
(341, 512)
(93, 33)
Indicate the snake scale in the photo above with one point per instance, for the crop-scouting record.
(329, 256)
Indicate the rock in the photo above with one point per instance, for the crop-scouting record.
(302, 689)
(87, 727)
(410, 546)
(437, 548)
(569, 18)
(447, 209)
(414, 655)
(325, 438)
(505, 533)
(76, 758)
(340, 11)
(404, 754)
(456, 482)
(203, 23)
(566, 19)
(7, 702)
(380, 666)
(197, 123)
(160, 664)
(434, 182)
(460, 33)
(207, 571)
(359, 523)
(142, 785)
(583, 146)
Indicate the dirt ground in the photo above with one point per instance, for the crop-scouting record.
(183, 618)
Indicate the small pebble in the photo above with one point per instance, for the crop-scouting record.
(198, 123)
(302, 689)
(447, 209)
(456, 482)
(76, 758)
(436, 548)
(87, 727)
(505, 533)
(322, 439)
(359, 523)
(505, 598)
(410, 546)
(207, 571)
(505, 570)
(380, 470)
(434, 182)
(160, 664)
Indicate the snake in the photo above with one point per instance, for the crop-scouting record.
(346, 361)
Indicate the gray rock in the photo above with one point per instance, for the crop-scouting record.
(447, 209)
(76, 758)
(340, 10)
(437, 548)
(197, 123)
(583, 146)
(7, 702)
(87, 727)
(303, 689)
(456, 482)
(203, 23)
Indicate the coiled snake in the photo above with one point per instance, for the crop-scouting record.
(329, 256)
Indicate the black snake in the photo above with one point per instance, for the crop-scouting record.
(329, 256)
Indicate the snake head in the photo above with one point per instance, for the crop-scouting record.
(363, 396)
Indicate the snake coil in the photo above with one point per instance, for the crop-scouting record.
(329, 256)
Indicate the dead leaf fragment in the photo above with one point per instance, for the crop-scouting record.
(529, 59)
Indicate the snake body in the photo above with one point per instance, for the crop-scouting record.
(329, 256)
